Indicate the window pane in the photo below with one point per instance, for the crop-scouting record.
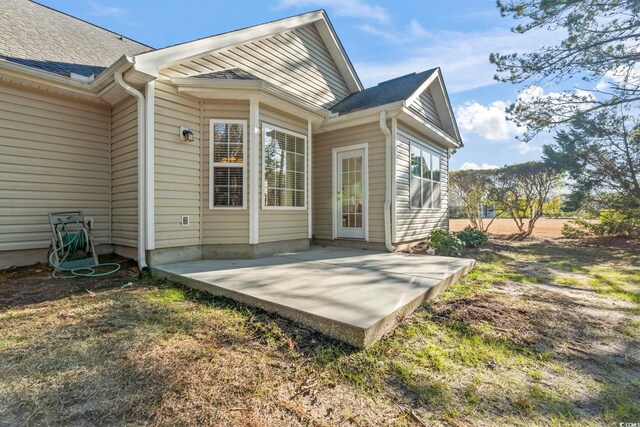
(435, 167)
(228, 186)
(426, 194)
(415, 161)
(437, 198)
(426, 165)
(235, 133)
(285, 168)
(220, 132)
(416, 193)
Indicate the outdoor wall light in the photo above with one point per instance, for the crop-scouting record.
(186, 134)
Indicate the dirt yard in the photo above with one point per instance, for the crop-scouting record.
(540, 333)
(545, 227)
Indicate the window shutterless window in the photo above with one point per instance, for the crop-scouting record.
(227, 163)
(284, 169)
(425, 178)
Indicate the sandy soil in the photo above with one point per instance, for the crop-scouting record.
(545, 227)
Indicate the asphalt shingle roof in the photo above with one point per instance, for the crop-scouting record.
(398, 89)
(43, 38)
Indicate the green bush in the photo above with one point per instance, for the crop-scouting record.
(611, 223)
(445, 243)
(471, 237)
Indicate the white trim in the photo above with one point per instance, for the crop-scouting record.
(150, 165)
(254, 172)
(151, 62)
(422, 146)
(334, 187)
(266, 125)
(310, 177)
(213, 165)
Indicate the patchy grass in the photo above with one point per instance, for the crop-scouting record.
(538, 334)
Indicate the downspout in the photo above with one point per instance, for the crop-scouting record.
(142, 263)
(388, 182)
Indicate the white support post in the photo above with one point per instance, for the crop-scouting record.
(254, 165)
(309, 178)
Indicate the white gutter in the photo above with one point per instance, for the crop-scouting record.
(388, 182)
(142, 263)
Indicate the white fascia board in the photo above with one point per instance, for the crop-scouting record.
(428, 129)
(436, 78)
(423, 87)
(361, 117)
(46, 78)
(246, 89)
(339, 55)
(151, 62)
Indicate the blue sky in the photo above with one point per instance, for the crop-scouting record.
(384, 39)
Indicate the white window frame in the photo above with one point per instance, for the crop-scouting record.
(213, 165)
(264, 126)
(431, 153)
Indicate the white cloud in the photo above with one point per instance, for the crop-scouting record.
(524, 148)
(487, 121)
(475, 166)
(350, 8)
(414, 32)
(102, 10)
(463, 56)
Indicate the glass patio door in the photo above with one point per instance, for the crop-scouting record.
(351, 215)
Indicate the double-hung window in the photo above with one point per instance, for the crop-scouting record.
(284, 168)
(228, 163)
(425, 178)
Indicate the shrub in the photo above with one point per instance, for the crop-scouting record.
(471, 237)
(445, 243)
(611, 223)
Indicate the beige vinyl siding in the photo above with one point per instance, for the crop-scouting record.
(177, 168)
(54, 156)
(124, 173)
(323, 144)
(296, 61)
(414, 223)
(222, 226)
(278, 225)
(425, 107)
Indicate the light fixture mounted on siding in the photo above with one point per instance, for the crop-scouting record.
(186, 134)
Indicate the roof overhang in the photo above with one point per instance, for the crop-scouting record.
(150, 63)
(396, 109)
(247, 89)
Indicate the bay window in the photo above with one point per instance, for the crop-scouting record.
(284, 168)
(425, 178)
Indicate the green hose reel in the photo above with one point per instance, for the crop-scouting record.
(72, 247)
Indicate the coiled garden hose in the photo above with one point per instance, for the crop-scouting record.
(71, 242)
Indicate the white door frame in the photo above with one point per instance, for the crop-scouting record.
(365, 187)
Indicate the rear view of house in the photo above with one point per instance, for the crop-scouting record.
(242, 144)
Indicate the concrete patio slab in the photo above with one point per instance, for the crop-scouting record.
(353, 295)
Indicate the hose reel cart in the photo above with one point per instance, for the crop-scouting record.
(72, 246)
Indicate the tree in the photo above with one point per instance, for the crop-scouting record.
(522, 190)
(602, 40)
(472, 188)
(601, 154)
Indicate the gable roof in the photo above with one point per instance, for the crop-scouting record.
(43, 38)
(151, 62)
(398, 89)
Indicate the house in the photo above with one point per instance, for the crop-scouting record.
(241, 144)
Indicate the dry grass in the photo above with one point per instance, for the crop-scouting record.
(539, 333)
(545, 227)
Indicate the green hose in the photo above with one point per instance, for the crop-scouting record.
(71, 242)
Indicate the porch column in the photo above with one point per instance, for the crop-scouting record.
(254, 167)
